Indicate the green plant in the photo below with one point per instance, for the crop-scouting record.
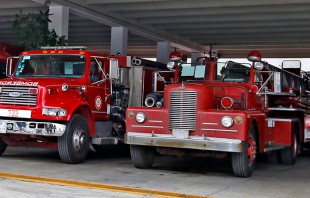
(32, 30)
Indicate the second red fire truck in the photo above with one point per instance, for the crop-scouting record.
(224, 110)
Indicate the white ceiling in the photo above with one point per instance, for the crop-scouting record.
(276, 28)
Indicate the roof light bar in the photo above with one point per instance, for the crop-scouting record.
(64, 47)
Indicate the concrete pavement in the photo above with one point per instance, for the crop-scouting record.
(186, 176)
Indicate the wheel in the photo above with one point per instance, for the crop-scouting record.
(289, 154)
(273, 157)
(3, 146)
(74, 143)
(142, 156)
(243, 163)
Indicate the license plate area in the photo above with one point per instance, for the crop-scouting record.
(15, 113)
(180, 133)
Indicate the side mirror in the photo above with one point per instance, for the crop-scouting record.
(9, 63)
(114, 69)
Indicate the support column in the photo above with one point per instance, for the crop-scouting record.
(119, 41)
(60, 20)
(163, 51)
(195, 55)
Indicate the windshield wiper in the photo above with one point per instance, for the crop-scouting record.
(30, 74)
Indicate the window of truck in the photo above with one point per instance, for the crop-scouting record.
(2, 70)
(234, 72)
(193, 72)
(223, 72)
(51, 66)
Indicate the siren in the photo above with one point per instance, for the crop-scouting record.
(254, 56)
(175, 56)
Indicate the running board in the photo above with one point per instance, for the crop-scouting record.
(107, 141)
(273, 147)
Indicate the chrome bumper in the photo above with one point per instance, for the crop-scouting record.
(193, 142)
(31, 128)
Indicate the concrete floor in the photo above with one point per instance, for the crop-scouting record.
(196, 176)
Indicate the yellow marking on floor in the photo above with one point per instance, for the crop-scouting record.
(99, 186)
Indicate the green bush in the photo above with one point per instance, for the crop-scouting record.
(32, 30)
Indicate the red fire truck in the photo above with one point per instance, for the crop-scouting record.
(224, 110)
(71, 98)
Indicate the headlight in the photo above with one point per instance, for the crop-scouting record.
(54, 112)
(227, 121)
(140, 117)
(259, 65)
(170, 65)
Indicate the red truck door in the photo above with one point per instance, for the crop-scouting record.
(98, 89)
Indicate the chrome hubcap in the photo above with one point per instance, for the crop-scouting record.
(79, 139)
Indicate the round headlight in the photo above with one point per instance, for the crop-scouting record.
(227, 121)
(259, 65)
(140, 117)
(170, 65)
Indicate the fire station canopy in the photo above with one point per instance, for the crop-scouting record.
(277, 29)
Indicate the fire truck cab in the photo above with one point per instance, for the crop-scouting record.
(70, 98)
(231, 109)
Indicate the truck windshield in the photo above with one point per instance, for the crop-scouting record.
(72, 66)
(193, 71)
(234, 72)
(222, 72)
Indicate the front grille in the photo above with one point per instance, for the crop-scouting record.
(25, 98)
(182, 112)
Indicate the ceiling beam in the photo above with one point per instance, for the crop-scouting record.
(255, 30)
(227, 18)
(272, 9)
(80, 8)
(119, 1)
(235, 24)
(188, 4)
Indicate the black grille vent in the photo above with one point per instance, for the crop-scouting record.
(12, 95)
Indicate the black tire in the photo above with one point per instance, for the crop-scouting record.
(289, 154)
(243, 163)
(273, 157)
(142, 156)
(3, 146)
(73, 145)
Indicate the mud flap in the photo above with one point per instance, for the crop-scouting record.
(92, 148)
